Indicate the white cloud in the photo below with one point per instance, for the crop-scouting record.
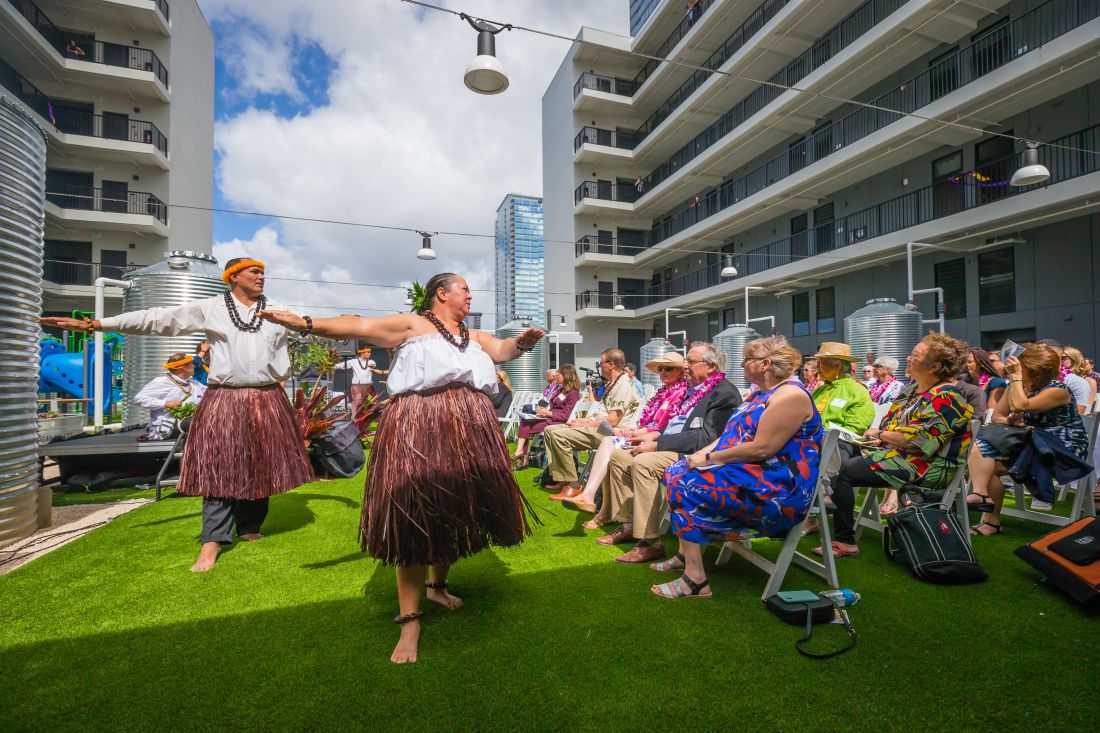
(400, 142)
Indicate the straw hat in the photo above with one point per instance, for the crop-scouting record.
(669, 358)
(835, 350)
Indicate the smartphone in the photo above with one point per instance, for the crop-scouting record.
(798, 596)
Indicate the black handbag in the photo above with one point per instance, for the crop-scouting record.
(930, 541)
(821, 611)
(1008, 440)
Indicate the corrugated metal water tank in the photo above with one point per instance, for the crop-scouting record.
(731, 342)
(528, 372)
(182, 277)
(22, 206)
(654, 348)
(885, 328)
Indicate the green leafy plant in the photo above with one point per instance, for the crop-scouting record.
(315, 411)
(186, 408)
(369, 412)
(418, 295)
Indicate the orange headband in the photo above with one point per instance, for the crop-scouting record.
(242, 265)
(362, 351)
(181, 362)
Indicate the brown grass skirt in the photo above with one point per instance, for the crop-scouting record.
(440, 485)
(243, 443)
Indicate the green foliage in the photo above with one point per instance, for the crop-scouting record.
(306, 354)
(419, 296)
(185, 409)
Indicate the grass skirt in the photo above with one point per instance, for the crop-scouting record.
(440, 485)
(243, 443)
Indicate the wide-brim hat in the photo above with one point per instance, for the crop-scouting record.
(667, 359)
(835, 350)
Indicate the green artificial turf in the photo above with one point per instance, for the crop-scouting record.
(69, 497)
(112, 632)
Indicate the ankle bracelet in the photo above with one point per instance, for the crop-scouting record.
(402, 620)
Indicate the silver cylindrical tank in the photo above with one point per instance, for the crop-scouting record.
(731, 342)
(22, 206)
(885, 328)
(183, 276)
(528, 372)
(654, 348)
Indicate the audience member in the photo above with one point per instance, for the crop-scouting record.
(841, 401)
(502, 400)
(632, 373)
(201, 361)
(886, 387)
(809, 375)
(553, 384)
(759, 476)
(557, 411)
(632, 492)
(1073, 357)
(920, 442)
(167, 392)
(1076, 385)
(868, 376)
(1035, 398)
(985, 374)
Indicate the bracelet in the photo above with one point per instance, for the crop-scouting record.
(89, 323)
(708, 456)
(523, 349)
(309, 326)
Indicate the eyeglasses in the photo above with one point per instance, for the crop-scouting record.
(693, 362)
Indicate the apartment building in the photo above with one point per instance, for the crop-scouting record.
(662, 175)
(124, 91)
(519, 255)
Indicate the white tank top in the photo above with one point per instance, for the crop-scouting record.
(428, 361)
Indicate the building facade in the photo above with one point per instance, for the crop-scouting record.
(124, 91)
(658, 172)
(519, 260)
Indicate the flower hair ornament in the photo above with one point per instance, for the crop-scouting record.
(418, 295)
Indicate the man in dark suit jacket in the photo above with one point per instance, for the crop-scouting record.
(632, 491)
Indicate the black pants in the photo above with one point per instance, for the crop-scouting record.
(854, 472)
(220, 515)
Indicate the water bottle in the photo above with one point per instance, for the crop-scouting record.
(841, 598)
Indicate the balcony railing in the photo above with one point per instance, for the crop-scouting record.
(598, 136)
(66, 272)
(968, 190)
(606, 191)
(595, 299)
(80, 48)
(1001, 45)
(691, 17)
(110, 128)
(26, 92)
(601, 83)
(613, 246)
(95, 199)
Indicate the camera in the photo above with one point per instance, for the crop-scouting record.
(592, 378)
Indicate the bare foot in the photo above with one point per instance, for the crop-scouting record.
(444, 598)
(405, 651)
(252, 537)
(594, 523)
(208, 555)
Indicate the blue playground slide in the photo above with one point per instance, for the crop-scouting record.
(62, 371)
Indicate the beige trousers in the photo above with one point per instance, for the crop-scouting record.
(561, 442)
(632, 491)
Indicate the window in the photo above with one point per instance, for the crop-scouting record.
(951, 276)
(996, 282)
(826, 310)
(800, 310)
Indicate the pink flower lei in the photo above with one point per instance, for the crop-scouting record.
(665, 401)
(878, 388)
(700, 392)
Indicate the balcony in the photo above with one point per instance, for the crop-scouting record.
(592, 142)
(594, 196)
(614, 247)
(1001, 45)
(592, 91)
(607, 301)
(141, 69)
(135, 211)
(665, 49)
(141, 15)
(64, 275)
(967, 191)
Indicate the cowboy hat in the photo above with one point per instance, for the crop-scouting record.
(667, 359)
(835, 350)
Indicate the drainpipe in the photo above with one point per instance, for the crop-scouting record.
(769, 319)
(97, 351)
(670, 334)
(940, 307)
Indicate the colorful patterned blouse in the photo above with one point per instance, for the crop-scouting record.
(937, 424)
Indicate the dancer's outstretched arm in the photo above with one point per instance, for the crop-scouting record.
(388, 331)
(502, 350)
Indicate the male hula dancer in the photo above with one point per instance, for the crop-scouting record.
(363, 368)
(244, 444)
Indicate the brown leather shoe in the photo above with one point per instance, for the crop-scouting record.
(568, 492)
(556, 486)
(618, 537)
(642, 552)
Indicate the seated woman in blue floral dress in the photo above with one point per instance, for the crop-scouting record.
(758, 476)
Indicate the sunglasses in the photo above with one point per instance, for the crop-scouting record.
(668, 368)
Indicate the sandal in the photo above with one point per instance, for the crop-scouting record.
(676, 562)
(596, 523)
(838, 551)
(676, 589)
(976, 530)
(888, 508)
(983, 504)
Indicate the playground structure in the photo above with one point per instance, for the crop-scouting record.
(69, 373)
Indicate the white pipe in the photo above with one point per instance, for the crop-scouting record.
(670, 334)
(940, 310)
(770, 319)
(97, 351)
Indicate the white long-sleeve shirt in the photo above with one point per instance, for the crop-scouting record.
(360, 374)
(160, 390)
(237, 358)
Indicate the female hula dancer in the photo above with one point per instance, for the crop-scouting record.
(440, 485)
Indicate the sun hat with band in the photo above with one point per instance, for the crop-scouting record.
(667, 359)
(835, 350)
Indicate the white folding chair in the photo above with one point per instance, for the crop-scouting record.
(788, 553)
(869, 517)
(510, 421)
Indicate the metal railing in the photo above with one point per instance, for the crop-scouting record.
(89, 198)
(968, 190)
(81, 48)
(26, 92)
(613, 246)
(607, 191)
(109, 128)
(836, 39)
(67, 272)
(607, 301)
(1002, 44)
(691, 17)
(601, 83)
(599, 136)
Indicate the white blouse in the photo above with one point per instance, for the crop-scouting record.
(428, 361)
